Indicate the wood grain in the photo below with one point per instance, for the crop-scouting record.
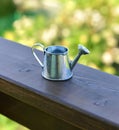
(87, 101)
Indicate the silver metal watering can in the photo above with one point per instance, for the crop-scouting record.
(56, 65)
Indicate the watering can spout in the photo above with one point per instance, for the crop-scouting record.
(82, 51)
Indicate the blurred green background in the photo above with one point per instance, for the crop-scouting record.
(93, 23)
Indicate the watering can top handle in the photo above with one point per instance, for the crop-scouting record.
(36, 46)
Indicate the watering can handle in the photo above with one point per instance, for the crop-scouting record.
(36, 46)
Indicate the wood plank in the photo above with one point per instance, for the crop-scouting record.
(89, 100)
(27, 116)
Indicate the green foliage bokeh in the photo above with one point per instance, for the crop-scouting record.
(92, 23)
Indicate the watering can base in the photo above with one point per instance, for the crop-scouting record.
(57, 79)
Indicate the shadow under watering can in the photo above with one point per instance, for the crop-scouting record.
(56, 65)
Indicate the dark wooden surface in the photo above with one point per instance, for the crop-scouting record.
(31, 117)
(90, 100)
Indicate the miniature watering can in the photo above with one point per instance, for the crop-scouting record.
(56, 65)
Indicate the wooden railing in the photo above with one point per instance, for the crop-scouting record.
(88, 101)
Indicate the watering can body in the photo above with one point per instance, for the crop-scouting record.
(56, 64)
